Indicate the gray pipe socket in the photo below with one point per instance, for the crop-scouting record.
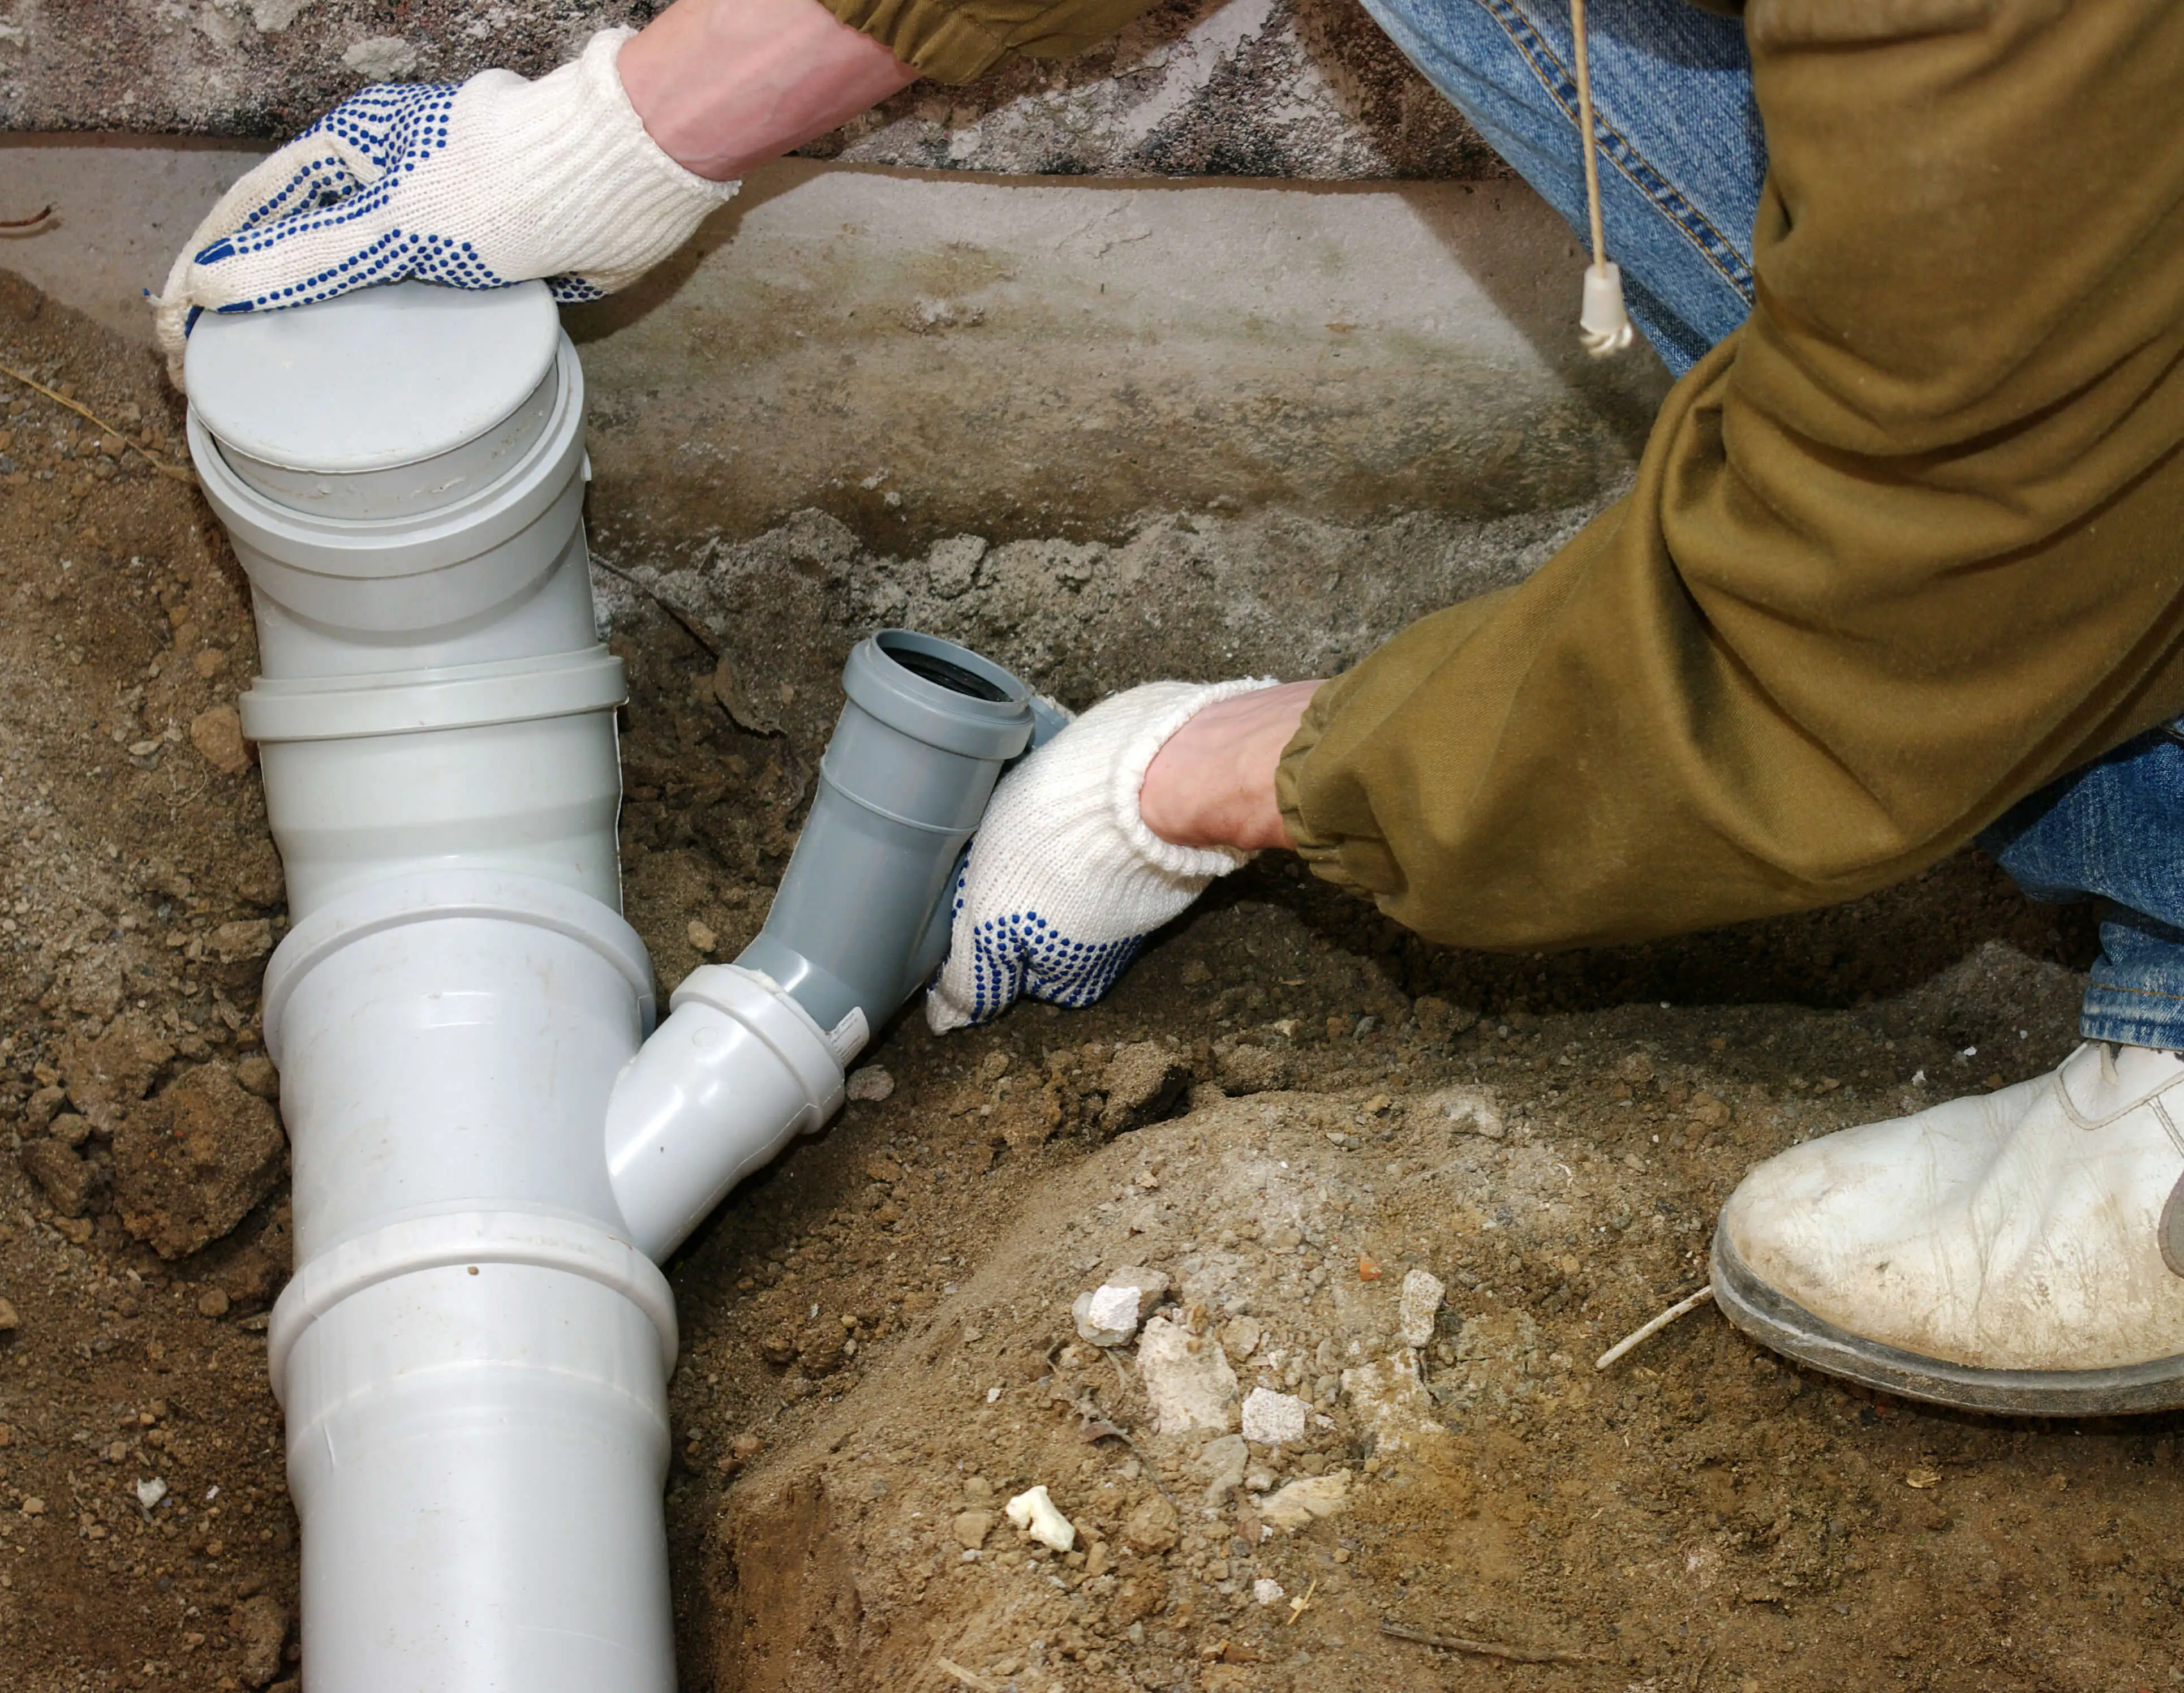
(862, 915)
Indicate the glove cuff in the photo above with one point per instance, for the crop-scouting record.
(1169, 706)
(657, 201)
(598, 74)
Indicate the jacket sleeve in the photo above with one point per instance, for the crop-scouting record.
(1906, 547)
(958, 40)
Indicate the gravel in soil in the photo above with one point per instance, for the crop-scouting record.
(1287, 1108)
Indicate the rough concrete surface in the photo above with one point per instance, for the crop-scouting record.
(921, 354)
(1307, 88)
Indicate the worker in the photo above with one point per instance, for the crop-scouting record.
(1901, 569)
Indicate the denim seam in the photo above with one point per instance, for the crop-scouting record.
(2146, 993)
(1697, 229)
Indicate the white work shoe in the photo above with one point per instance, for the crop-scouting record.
(2020, 1251)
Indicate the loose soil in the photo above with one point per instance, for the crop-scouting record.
(1286, 1105)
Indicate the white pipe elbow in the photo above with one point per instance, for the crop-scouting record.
(737, 1072)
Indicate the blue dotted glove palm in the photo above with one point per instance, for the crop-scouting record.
(477, 186)
(1064, 881)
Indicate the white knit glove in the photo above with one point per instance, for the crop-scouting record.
(1064, 880)
(495, 181)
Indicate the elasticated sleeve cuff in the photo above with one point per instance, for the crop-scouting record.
(959, 40)
(1321, 852)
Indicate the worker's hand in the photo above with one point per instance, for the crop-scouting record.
(1064, 881)
(497, 180)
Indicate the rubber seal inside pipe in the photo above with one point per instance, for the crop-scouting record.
(941, 694)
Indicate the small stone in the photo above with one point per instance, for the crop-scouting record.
(977, 1490)
(1111, 1327)
(253, 871)
(71, 1130)
(1250, 1068)
(1387, 1398)
(190, 1162)
(1467, 1110)
(34, 1507)
(1108, 1315)
(208, 662)
(218, 735)
(1266, 1591)
(1098, 1560)
(1274, 1419)
(1418, 1306)
(1034, 1511)
(44, 1105)
(71, 1184)
(1240, 1337)
(1150, 1285)
(702, 938)
(870, 1084)
(259, 1077)
(1223, 1464)
(106, 1076)
(212, 1302)
(1304, 1502)
(8, 1323)
(260, 1627)
(1187, 1379)
(1152, 1528)
(381, 58)
(970, 1528)
(1438, 1020)
(1142, 1081)
(240, 942)
(150, 1493)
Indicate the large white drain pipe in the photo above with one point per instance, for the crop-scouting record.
(489, 1155)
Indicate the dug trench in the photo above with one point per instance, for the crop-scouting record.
(1286, 1108)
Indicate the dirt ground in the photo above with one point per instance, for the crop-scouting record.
(1286, 1107)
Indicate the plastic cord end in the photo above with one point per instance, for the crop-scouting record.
(1605, 327)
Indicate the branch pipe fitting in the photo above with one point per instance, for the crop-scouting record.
(755, 1052)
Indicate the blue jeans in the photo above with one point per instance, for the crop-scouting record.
(1684, 153)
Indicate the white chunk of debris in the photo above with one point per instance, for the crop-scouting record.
(1388, 1400)
(1418, 1306)
(871, 1085)
(1274, 1419)
(1468, 1111)
(1304, 1502)
(1223, 1464)
(150, 1493)
(1110, 1314)
(1034, 1512)
(1267, 1592)
(381, 58)
(1107, 1316)
(1187, 1379)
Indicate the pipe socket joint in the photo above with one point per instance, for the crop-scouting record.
(860, 921)
(739, 1070)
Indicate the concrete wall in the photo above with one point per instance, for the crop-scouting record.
(1298, 88)
(922, 354)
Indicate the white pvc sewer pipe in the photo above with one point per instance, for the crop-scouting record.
(474, 1350)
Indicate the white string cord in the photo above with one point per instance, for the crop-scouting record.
(1603, 322)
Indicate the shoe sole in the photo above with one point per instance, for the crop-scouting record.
(1784, 1326)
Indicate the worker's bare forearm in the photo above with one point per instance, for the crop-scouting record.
(725, 84)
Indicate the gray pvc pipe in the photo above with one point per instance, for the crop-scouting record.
(862, 918)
